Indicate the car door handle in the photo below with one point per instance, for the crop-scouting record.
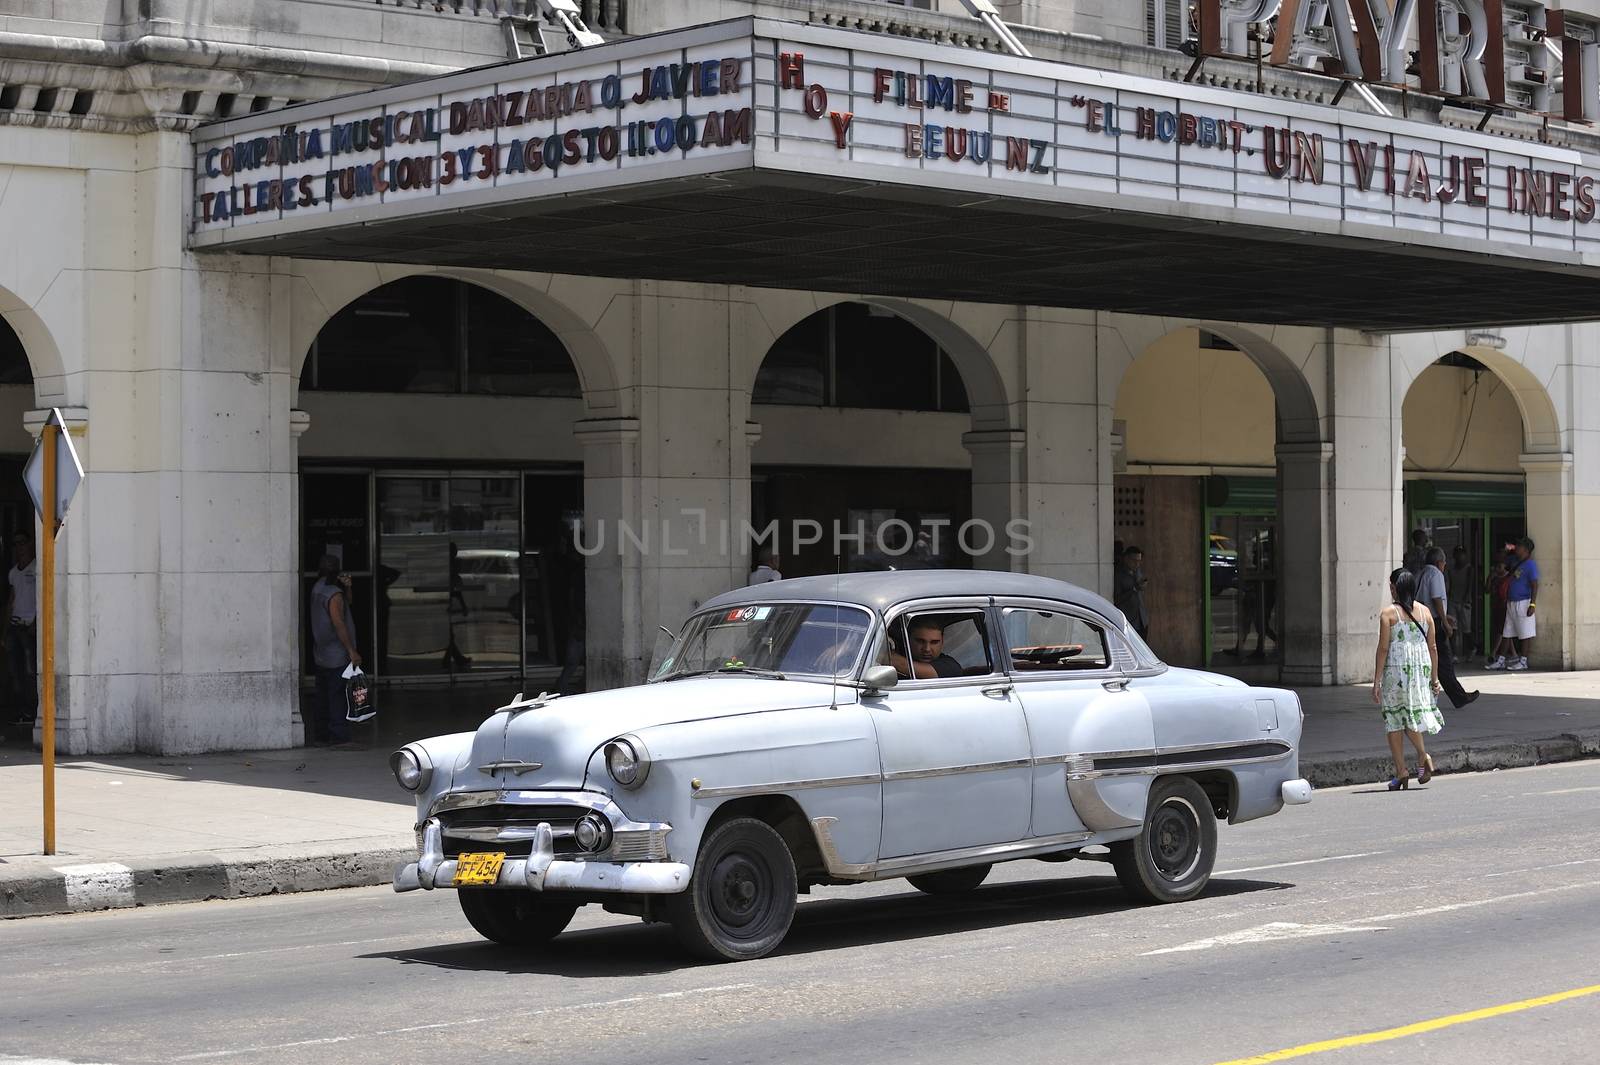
(997, 691)
(1117, 685)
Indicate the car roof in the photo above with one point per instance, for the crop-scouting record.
(882, 589)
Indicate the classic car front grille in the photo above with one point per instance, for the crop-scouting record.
(509, 827)
(475, 828)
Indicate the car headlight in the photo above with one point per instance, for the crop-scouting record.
(627, 761)
(592, 833)
(412, 768)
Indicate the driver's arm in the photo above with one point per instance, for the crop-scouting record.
(907, 668)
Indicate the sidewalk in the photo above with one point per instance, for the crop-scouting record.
(135, 830)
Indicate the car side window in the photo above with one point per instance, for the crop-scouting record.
(1053, 641)
(940, 644)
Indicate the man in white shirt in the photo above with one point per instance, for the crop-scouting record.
(766, 567)
(22, 610)
(1432, 592)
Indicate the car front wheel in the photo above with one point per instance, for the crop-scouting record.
(1171, 858)
(515, 918)
(741, 897)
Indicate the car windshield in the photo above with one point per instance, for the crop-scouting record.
(805, 639)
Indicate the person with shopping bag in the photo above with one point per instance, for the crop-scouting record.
(333, 653)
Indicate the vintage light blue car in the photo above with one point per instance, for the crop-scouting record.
(832, 730)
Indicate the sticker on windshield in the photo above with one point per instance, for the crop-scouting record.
(748, 613)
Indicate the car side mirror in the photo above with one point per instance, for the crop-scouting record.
(879, 678)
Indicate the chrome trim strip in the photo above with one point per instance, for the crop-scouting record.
(739, 790)
(836, 865)
(957, 770)
(1267, 741)
(460, 800)
(889, 868)
(1091, 808)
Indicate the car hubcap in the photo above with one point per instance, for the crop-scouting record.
(1174, 836)
(740, 888)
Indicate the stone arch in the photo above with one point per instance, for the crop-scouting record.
(1529, 364)
(986, 389)
(38, 344)
(1542, 428)
(322, 290)
(1292, 596)
(1299, 415)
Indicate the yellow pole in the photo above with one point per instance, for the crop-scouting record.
(47, 631)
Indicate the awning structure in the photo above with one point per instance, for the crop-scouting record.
(773, 154)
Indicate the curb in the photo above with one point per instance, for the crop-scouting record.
(1512, 754)
(80, 888)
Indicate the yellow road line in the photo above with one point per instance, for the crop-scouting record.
(1413, 1029)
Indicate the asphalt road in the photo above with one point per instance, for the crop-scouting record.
(1363, 912)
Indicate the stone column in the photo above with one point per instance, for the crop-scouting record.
(1365, 506)
(1305, 566)
(614, 647)
(998, 496)
(299, 422)
(1550, 514)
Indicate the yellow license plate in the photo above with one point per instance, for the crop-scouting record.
(479, 869)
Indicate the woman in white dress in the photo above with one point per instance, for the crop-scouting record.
(1405, 680)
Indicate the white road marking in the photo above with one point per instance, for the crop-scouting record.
(1280, 930)
(1474, 903)
(1266, 933)
(8, 1060)
(100, 886)
(1290, 865)
(1541, 868)
(1560, 791)
(498, 1018)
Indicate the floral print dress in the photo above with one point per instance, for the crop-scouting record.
(1407, 689)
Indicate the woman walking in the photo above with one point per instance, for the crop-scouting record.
(1404, 681)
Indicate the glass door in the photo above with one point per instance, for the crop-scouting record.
(449, 557)
(1242, 592)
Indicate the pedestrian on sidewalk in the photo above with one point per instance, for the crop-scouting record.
(766, 570)
(333, 649)
(1431, 590)
(1462, 579)
(1417, 556)
(1499, 586)
(22, 649)
(1404, 678)
(1128, 589)
(1520, 625)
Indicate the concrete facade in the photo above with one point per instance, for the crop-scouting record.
(179, 374)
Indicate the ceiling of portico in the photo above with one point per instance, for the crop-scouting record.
(829, 235)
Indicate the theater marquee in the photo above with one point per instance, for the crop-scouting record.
(753, 100)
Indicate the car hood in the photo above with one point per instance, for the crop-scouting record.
(562, 736)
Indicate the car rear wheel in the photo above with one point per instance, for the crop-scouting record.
(1171, 858)
(951, 881)
(515, 918)
(742, 896)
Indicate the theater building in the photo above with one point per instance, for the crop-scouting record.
(541, 346)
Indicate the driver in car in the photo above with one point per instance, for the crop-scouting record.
(928, 659)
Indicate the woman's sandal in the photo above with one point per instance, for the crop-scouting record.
(1400, 783)
(1425, 769)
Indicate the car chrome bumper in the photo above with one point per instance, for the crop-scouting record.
(1296, 792)
(541, 871)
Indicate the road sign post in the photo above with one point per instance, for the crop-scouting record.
(52, 475)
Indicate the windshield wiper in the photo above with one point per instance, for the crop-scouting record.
(771, 674)
(753, 671)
